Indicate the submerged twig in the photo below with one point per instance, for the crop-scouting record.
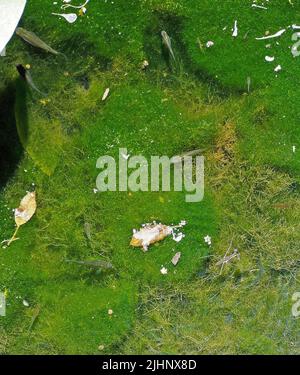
(227, 258)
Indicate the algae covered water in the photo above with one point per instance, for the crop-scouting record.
(138, 269)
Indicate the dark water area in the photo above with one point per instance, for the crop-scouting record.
(10, 147)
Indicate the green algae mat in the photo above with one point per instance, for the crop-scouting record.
(223, 80)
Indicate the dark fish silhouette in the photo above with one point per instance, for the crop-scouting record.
(25, 74)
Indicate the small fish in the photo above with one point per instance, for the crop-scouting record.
(25, 74)
(179, 158)
(35, 316)
(167, 42)
(35, 41)
(91, 263)
(246, 34)
(200, 45)
(248, 84)
(87, 231)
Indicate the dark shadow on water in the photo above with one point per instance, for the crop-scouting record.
(11, 149)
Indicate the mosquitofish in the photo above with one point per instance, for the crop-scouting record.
(34, 318)
(167, 42)
(248, 84)
(25, 74)
(35, 41)
(87, 231)
(91, 263)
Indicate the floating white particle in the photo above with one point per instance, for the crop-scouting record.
(258, 6)
(269, 58)
(105, 95)
(207, 239)
(25, 303)
(182, 223)
(278, 68)
(163, 271)
(235, 29)
(65, 6)
(276, 35)
(178, 237)
(294, 149)
(209, 44)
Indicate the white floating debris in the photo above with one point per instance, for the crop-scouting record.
(258, 6)
(176, 258)
(182, 223)
(279, 33)
(152, 233)
(209, 44)
(295, 27)
(25, 303)
(149, 234)
(105, 95)
(278, 68)
(69, 17)
(235, 29)
(269, 58)
(145, 64)
(95, 191)
(207, 239)
(164, 271)
(178, 237)
(65, 6)
(294, 149)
